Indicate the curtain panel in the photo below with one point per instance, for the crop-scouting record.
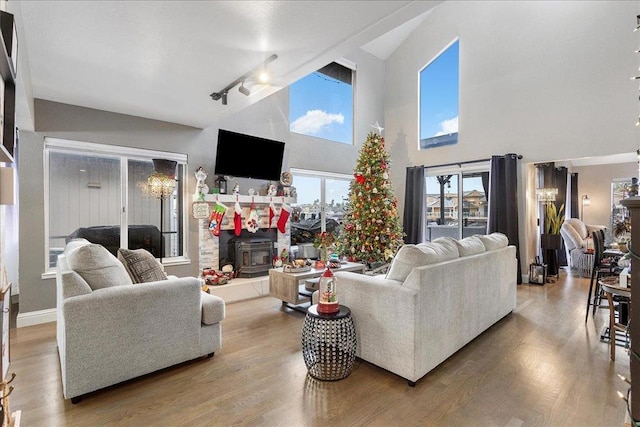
(503, 201)
(413, 218)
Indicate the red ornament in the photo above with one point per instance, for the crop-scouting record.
(359, 178)
(384, 164)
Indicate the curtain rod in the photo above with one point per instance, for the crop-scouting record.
(464, 163)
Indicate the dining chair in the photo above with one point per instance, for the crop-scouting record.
(602, 266)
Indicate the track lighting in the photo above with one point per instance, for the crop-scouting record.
(243, 90)
(258, 71)
(638, 23)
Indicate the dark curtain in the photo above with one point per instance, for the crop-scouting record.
(551, 176)
(575, 198)
(485, 184)
(413, 219)
(503, 201)
(560, 175)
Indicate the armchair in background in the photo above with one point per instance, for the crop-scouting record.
(577, 237)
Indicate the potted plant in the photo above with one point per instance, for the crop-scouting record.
(622, 233)
(550, 239)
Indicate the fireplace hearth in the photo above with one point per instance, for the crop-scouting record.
(251, 254)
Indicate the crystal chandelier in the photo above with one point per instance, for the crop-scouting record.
(160, 185)
(546, 195)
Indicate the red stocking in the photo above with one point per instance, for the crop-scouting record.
(216, 218)
(285, 212)
(237, 219)
(272, 213)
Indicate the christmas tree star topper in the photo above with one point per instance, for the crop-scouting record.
(377, 127)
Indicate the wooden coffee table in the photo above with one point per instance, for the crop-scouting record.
(286, 286)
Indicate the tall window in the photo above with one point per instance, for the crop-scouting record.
(321, 203)
(97, 193)
(321, 104)
(439, 99)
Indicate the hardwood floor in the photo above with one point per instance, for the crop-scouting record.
(540, 366)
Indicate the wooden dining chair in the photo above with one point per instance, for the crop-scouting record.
(601, 267)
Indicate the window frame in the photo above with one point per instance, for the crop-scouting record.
(123, 154)
(419, 106)
(323, 176)
(353, 67)
(459, 171)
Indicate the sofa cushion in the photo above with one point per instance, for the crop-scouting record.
(470, 246)
(494, 241)
(98, 267)
(410, 256)
(213, 310)
(75, 243)
(141, 265)
(450, 244)
(73, 284)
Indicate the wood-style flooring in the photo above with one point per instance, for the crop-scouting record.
(539, 366)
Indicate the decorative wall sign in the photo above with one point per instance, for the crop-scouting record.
(201, 210)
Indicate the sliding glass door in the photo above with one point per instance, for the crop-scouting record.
(456, 204)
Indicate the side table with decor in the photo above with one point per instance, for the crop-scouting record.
(329, 343)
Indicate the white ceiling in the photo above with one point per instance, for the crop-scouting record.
(162, 59)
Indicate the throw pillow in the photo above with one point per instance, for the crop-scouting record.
(98, 267)
(141, 265)
(494, 241)
(580, 227)
(470, 246)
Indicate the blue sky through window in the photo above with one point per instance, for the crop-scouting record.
(439, 96)
(322, 106)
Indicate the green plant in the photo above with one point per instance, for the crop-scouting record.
(555, 218)
(621, 229)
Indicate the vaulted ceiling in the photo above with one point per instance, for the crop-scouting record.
(162, 59)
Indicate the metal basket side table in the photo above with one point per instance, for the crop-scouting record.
(329, 344)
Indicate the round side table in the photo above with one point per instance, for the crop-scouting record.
(329, 343)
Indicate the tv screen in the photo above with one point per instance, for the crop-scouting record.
(248, 156)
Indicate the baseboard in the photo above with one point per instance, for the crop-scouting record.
(31, 318)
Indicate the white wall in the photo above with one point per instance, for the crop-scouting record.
(548, 80)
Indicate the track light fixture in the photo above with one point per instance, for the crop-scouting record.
(257, 71)
(638, 23)
(243, 90)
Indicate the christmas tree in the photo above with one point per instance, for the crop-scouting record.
(372, 230)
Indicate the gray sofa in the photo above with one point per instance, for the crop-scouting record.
(110, 330)
(436, 298)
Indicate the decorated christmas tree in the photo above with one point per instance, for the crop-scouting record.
(372, 231)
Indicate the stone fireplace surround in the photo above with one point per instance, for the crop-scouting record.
(209, 246)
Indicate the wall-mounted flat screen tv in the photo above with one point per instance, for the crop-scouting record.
(248, 156)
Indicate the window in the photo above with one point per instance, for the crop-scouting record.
(321, 104)
(456, 203)
(439, 99)
(321, 203)
(95, 192)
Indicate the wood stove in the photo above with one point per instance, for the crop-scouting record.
(253, 256)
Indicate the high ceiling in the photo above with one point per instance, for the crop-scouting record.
(162, 59)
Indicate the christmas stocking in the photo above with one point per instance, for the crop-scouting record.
(285, 212)
(216, 218)
(237, 219)
(272, 213)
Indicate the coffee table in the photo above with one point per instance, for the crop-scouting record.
(286, 286)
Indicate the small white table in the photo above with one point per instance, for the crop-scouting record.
(286, 286)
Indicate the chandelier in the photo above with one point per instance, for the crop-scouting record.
(546, 195)
(160, 185)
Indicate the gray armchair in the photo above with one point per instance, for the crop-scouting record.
(110, 330)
